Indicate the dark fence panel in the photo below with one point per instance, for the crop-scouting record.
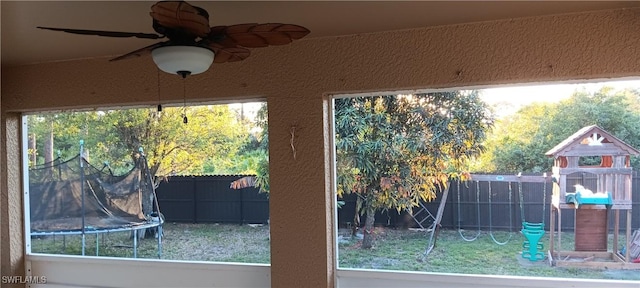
(469, 206)
(209, 199)
(496, 205)
(216, 202)
(254, 206)
(391, 218)
(177, 200)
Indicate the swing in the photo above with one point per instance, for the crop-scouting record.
(532, 225)
(478, 213)
(533, 232)
(491, 218)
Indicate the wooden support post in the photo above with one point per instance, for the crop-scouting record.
(552, 229)
(561, 191)
(559, 231)
(616, 230)
(628, 237)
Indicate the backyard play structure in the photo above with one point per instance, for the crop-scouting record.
(75, 198)
(593, 204)
(533, 227)
(532, 230)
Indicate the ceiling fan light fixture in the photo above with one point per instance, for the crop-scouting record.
(183, 60)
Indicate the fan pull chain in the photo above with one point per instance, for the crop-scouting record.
(184, 105)
(159, 105)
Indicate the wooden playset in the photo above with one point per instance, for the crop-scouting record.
(592, 205)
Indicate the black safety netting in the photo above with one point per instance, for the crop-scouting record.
(65, 194)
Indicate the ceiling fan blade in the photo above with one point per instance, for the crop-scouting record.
(140, 52)
(105, 33)
(253, 35)
(230, 54)
(181, 15)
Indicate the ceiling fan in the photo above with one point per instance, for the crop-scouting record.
(192, 45)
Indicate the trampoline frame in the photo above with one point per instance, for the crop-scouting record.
(109, 230)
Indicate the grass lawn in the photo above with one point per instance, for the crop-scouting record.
(403, 250)
(195, 242)
(393, 250)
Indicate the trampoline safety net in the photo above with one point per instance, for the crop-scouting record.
(64, 194)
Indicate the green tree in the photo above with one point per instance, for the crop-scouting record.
(394, 151)
(519, 143)
(262, 151)
(507, 146)
(55, 135)
(258, 149)
(207, 144)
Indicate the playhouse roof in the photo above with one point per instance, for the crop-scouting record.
(592, 141)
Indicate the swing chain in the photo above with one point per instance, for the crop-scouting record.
(478, 213)
(544, 200)
(478, 201)
(521, 201)
(491, 218)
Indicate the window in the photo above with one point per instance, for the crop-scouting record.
(398, 156)
(178, 183)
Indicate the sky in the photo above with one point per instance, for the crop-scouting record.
(512, 98)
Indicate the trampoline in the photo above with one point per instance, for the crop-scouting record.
(73, 197)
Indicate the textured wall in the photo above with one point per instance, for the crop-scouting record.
(11, 228)
(580, 46)
(297, 79)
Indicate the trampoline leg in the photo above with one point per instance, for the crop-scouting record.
(97, 244)
(83, 243)
(159, 233)
(135, 243)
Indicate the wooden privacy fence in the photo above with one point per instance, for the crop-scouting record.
(208, 199)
